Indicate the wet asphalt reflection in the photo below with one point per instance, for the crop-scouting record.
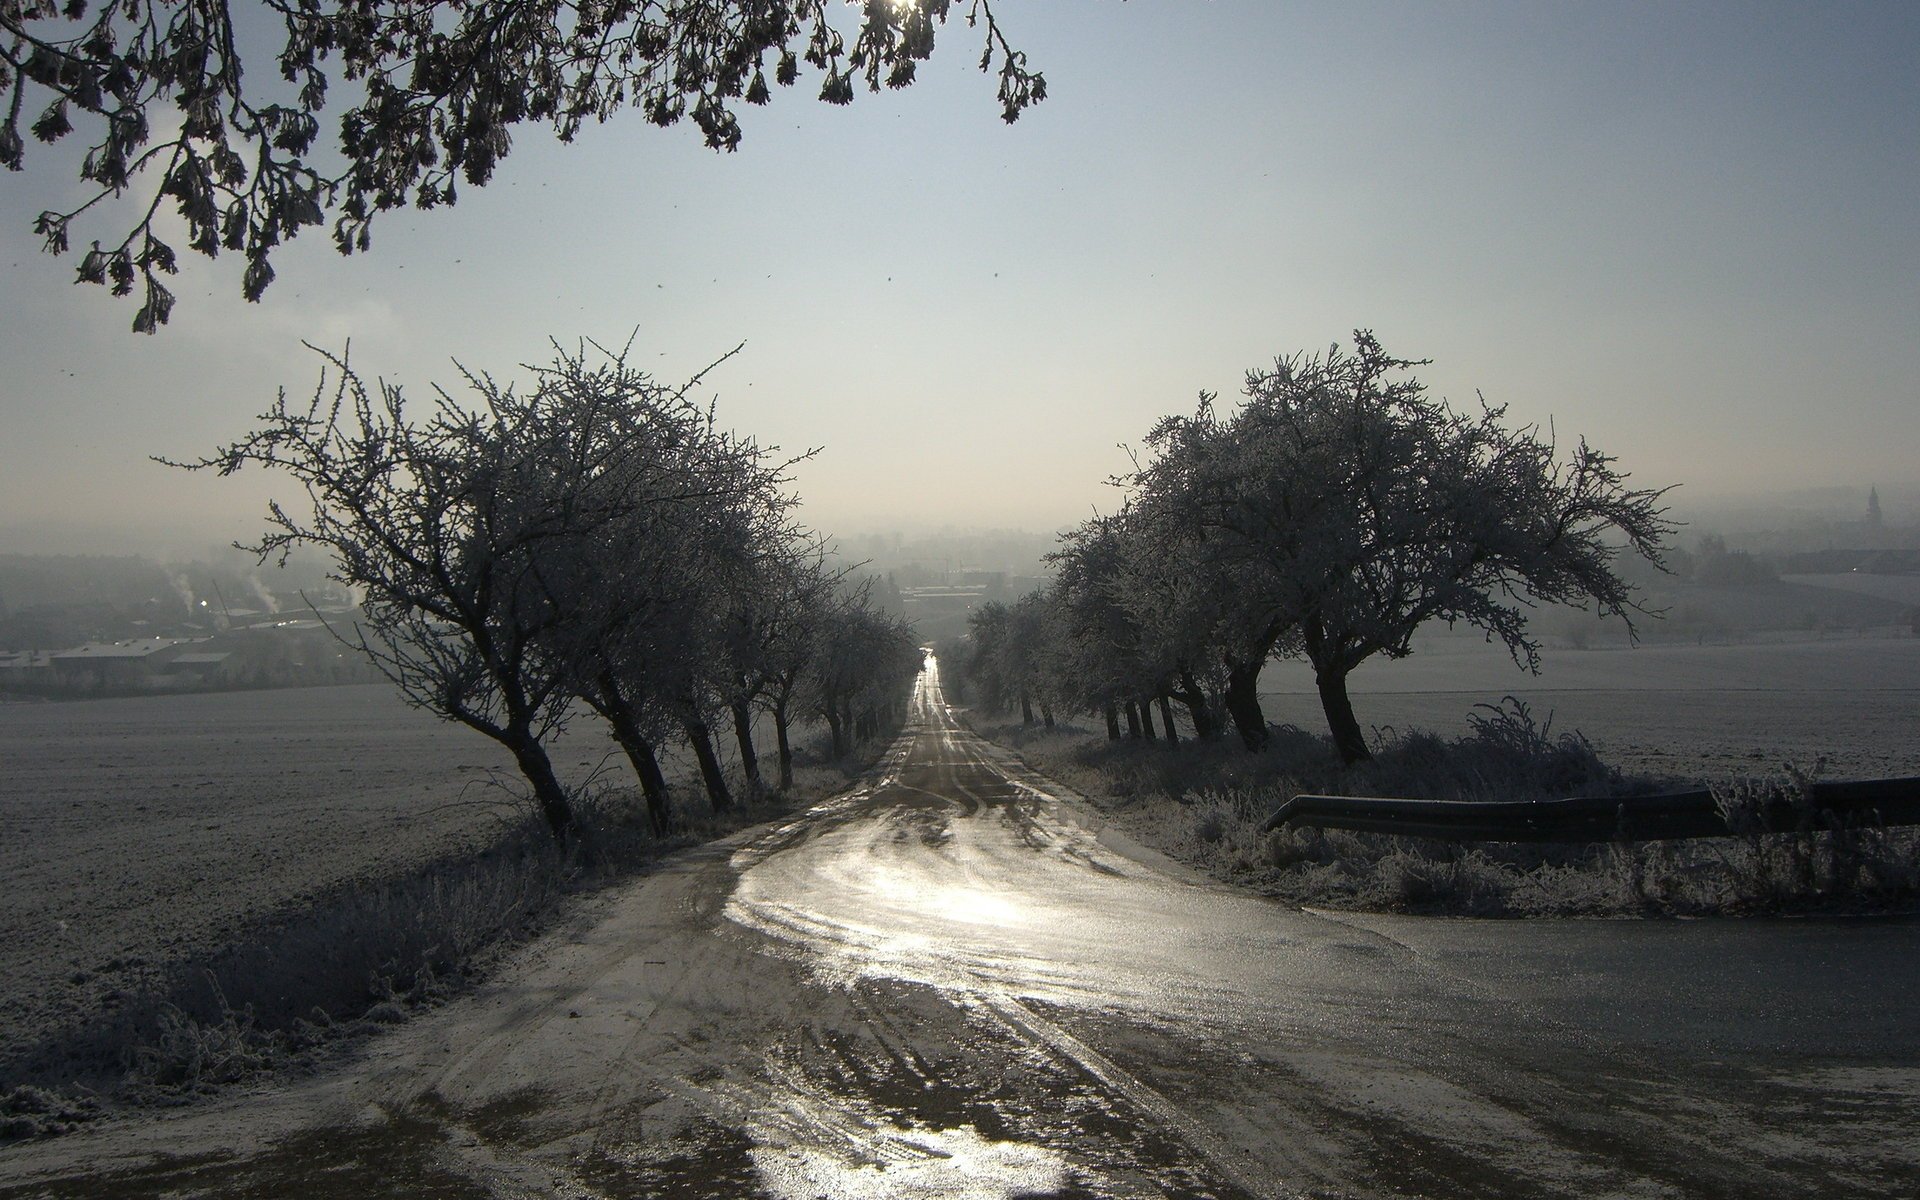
(1295, 1053)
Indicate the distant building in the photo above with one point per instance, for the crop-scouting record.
(25, 670)
(199, 669)
(118, 664)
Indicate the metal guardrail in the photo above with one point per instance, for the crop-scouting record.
(1865, 802)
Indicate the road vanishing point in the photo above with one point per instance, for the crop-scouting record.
(953, 980)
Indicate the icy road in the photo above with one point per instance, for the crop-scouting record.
(952, 982)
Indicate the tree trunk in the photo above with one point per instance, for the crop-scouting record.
(743, 733)
(607, 699)
(1196, 703)
(1113, 722)
(653, 785)
(1133, 720)
(646, 766)
(701, 738)
(1046, 715)
(1166, 719)
(1243, 703)
(836, 730)
(1146, 720)
(786, 748)
(532, 759)
(1347, 738)
(1026, 709)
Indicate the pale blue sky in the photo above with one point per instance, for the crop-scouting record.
(1690, 232)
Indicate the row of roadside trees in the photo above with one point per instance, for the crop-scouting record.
(1334, 512)
(592, 542)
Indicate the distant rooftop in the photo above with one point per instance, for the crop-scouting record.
(140, 648)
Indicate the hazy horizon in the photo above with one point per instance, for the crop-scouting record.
(1698, 514)
(1687, 234)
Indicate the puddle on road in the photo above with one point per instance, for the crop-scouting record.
(900, 1104)
(917, 1163)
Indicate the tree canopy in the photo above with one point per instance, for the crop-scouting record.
(1330, 515)
(596, 537)
(177, 108)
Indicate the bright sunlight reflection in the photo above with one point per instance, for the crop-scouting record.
(925, 1164)
(915, 891)
(974, 906)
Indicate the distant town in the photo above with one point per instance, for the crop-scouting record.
(84, 625)
(88, 625)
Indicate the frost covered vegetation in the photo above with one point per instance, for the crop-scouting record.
(593, 541)
(323, 972)
(437, 98)
(590, 548)
(1329, 517)
(1207, 805)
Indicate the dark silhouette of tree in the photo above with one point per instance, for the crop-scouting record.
(1355, 510)
(435, 92)
(1212, 596)
(440, 525)
(632, 574)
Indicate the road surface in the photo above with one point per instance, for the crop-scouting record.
(952, 981)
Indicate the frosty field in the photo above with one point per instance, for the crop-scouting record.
(1696, 713)
(137, 833)
(148, 830)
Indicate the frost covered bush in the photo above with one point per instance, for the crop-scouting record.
(1207, 803)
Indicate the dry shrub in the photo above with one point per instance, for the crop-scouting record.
(189, 1055)
(1506, 756)
(1223, 826)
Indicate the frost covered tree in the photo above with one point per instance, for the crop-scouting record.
(1222, 618)
(1098, 653)
(1008, 663)
(593, 536)
(439, 524)
(861, 658)
(1352, 510)
(774, 615)
(634, 570)
(185, 106)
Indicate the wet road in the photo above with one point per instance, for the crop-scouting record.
(952, 982)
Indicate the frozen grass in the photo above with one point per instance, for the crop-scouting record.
(359, 957)
(1205, 803)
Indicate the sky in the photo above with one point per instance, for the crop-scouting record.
(1687, 232)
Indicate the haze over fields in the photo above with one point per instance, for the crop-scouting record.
(1686, 232)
